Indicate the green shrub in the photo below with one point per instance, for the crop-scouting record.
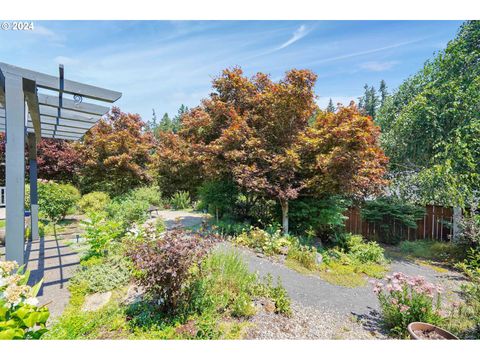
(218, 197)
(56, 200)
(433, 250)
(464, 317)
(278, 294)
(388, 215)
(20, 317)
(305, 255)
(322, 216)
(364, 252)
(230, 287)
(181, 200)
(267, 243)
(110, 274)
(127, 211)
(470, 227)
(93, 202)
(227, 283)
(149, 194)
(230, 227)
(100, 232)
(256, 210)
(405, 299)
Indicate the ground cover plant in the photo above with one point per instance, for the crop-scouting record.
(347, 265)
(442, 251)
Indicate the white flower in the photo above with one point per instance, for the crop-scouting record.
(3, 281)
(31, 301)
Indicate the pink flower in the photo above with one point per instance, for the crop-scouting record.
(404, 308)
(396, 286)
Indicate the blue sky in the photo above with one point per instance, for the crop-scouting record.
(163, 64)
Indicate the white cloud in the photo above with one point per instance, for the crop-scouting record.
(378, 66)
(366, 52)
(300, 33)
(46, 32)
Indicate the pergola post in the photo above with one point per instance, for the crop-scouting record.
(14, 168)
(32, 157)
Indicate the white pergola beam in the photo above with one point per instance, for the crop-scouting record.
(70, 87)
(86, 108)
(30, 90)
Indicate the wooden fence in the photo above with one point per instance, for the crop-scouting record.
(435, 225)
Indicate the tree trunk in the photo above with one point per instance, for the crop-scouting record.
(284, 205)
(216, 212)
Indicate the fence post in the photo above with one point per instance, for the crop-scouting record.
(457, 217)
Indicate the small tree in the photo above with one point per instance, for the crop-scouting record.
(330, 106)
(221, 195)
(55, 200)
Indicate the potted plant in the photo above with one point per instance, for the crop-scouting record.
(425, 331)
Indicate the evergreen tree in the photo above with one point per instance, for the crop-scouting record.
(177, 119)
(165, 123)
(330, 107)
(383, 92)
(369, 102)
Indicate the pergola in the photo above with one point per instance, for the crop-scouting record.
(35, 105)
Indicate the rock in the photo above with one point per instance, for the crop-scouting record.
(268, 305)
(318, 258)
(284, 250)
(133, 296)
(96, 301)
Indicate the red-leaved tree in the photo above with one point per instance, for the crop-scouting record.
(115, 154)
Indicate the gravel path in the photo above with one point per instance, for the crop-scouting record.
(183, 218)
(323, 310)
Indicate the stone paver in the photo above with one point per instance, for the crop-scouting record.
(55, 262)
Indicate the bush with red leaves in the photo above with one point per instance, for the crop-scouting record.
(165, 266)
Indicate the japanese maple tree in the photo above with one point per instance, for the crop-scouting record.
(115, 154)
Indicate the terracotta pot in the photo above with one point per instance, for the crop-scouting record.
(421, 326)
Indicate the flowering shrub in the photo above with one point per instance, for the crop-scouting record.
(165, 266)
(149, 230)
(20, 317)
(99, 232)
(405, 299)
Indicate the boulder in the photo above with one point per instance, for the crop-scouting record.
(96, 301)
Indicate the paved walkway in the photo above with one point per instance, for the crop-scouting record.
(55, 262)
